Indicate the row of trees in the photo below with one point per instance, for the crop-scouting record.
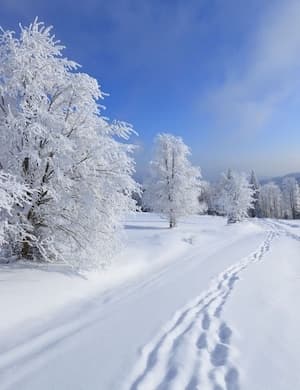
(269, 200)
(175, 189)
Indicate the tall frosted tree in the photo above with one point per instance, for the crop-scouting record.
(174, 184)
(236, 196)
(55, 141)
(205, 197)
(254, 183)
(291, 198)
(270, 201)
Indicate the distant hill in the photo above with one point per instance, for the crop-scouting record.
(278, 179)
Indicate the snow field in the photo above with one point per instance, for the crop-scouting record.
(117, 329)
(193, 351)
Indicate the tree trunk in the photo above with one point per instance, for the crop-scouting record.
(26, 250)
(172, 222)
(231, 219)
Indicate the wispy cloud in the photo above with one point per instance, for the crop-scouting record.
(248, 97)
(145, 33)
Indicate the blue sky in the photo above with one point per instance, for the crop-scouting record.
(224, 75)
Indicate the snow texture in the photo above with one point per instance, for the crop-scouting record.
(207, 305)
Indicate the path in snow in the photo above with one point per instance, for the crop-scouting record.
(194, 350)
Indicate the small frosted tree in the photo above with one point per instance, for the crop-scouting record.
(270, 201)
(174, 185)
(236, 196)
(291, 198)
(55, 140)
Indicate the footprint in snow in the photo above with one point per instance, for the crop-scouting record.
(206, 322)
(225, 333)
(202, 341)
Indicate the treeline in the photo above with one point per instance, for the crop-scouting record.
(175, 188)
(269, 200)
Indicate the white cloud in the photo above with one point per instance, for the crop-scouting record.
(248, 98)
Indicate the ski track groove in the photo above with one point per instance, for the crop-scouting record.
(194, 349)
(279, 225)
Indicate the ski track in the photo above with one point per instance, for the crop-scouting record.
(193, 351)
(279, 225)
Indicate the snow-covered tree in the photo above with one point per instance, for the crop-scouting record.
(254, 211)
(270, 201)
(212, 194)
(236, 196)
(204, 197)
(12, 194)
(55, 140)
(291, 198)
(174, 184)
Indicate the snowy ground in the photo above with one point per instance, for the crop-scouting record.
(205, 306)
